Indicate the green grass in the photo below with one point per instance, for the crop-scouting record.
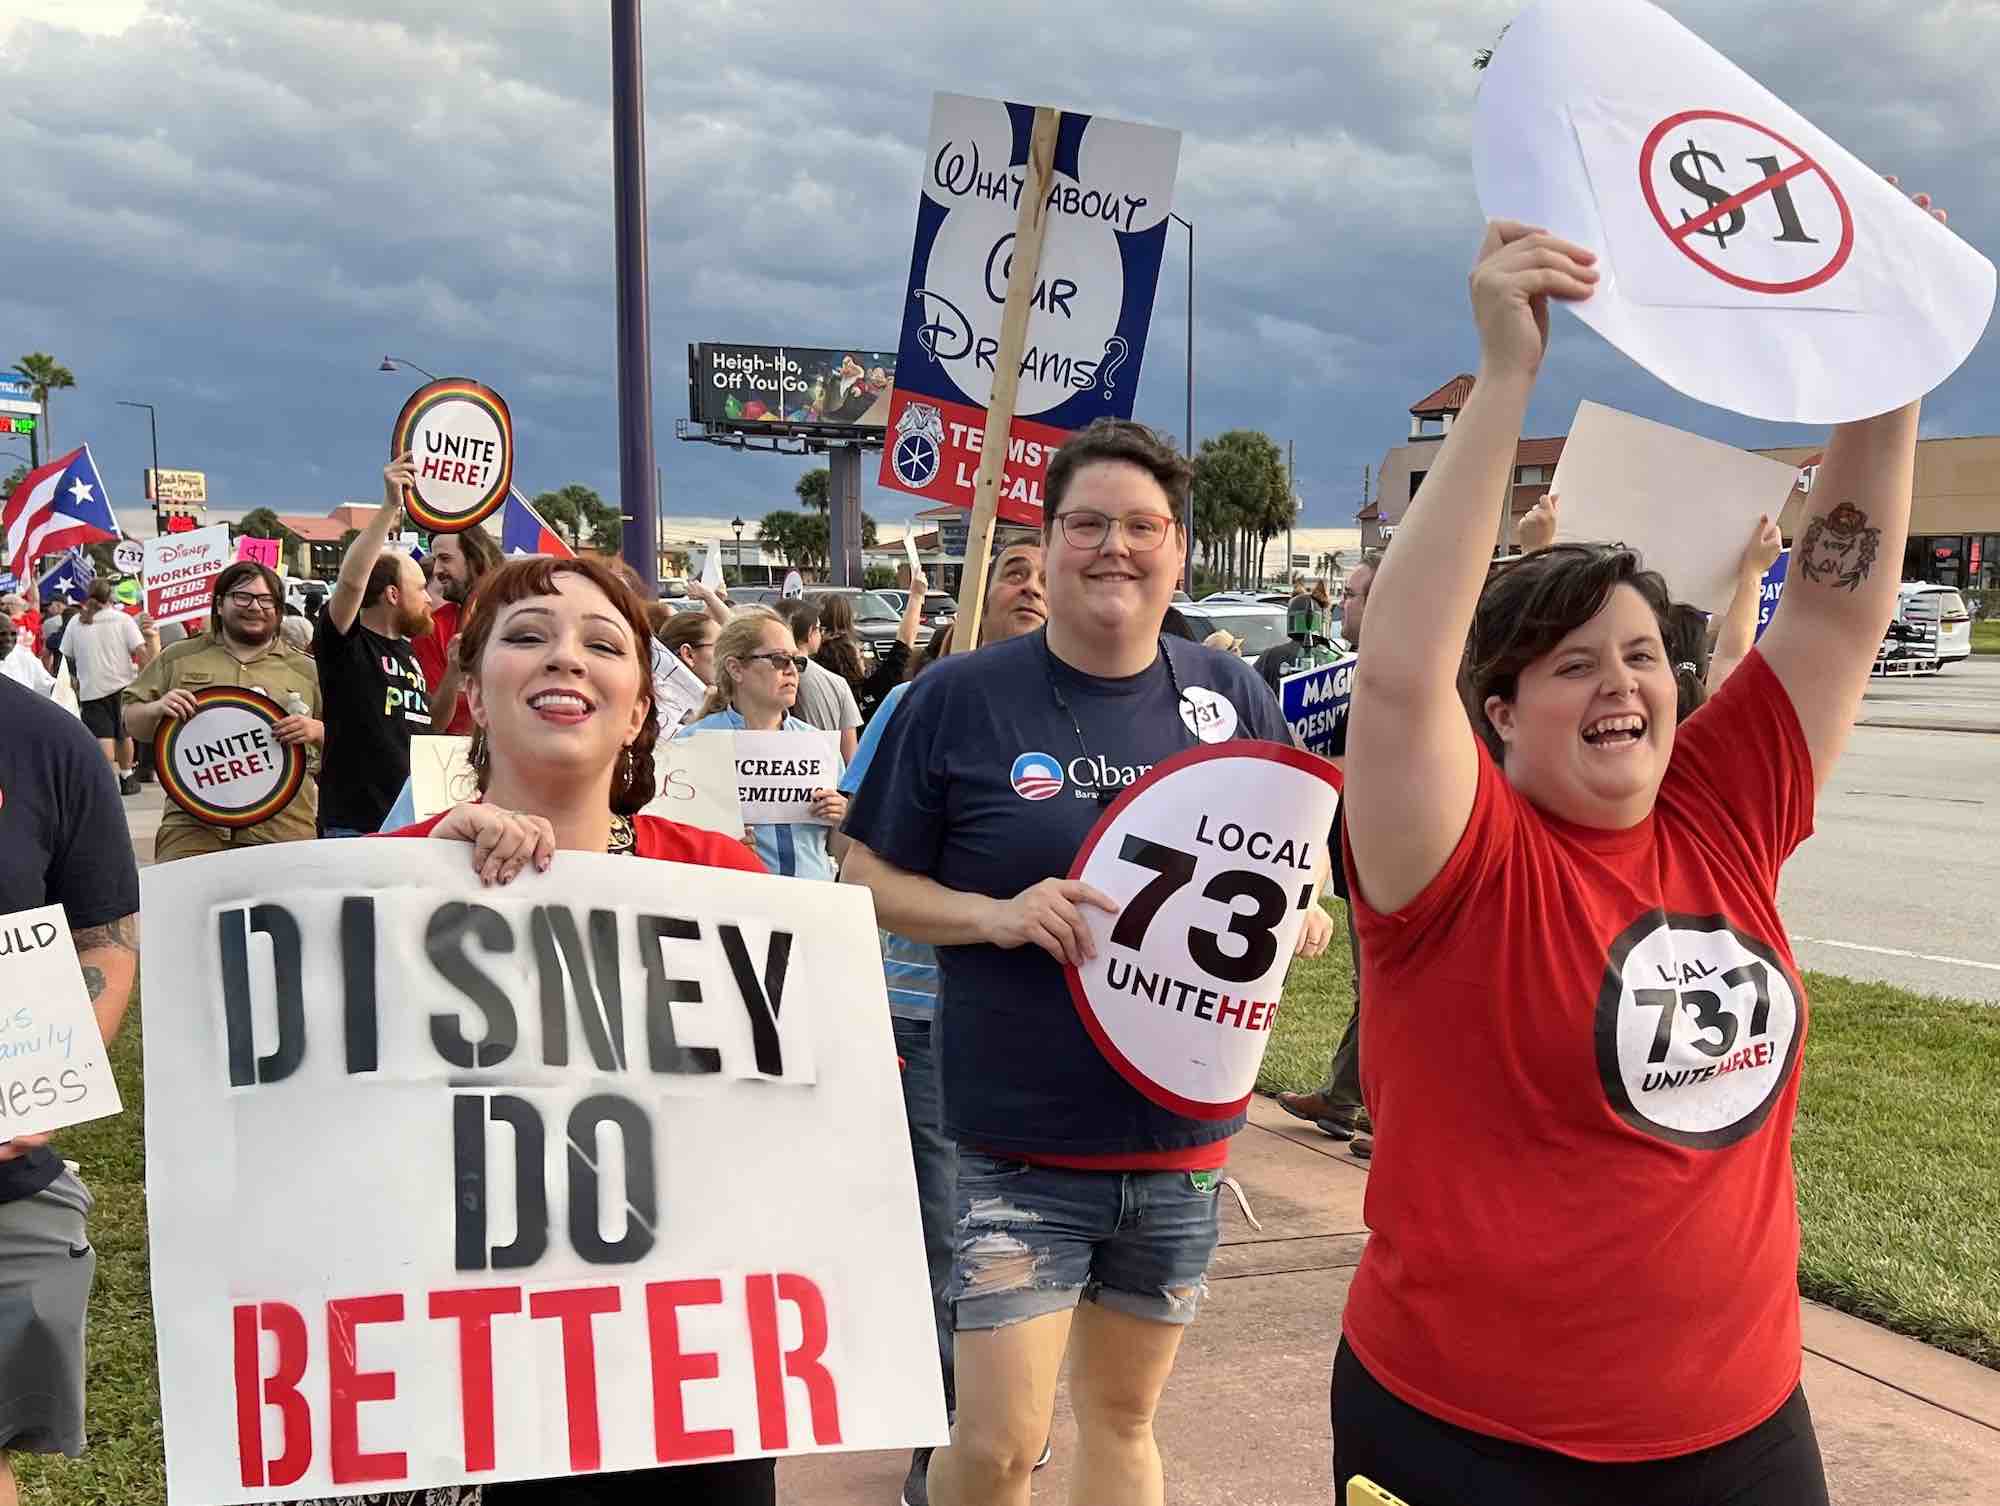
(1897, 1147)
(1986, 637)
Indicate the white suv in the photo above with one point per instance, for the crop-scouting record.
(1938, 610)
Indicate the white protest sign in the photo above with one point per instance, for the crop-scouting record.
(601, 1170)
(695, 780)
(1687, 504)
(129, 558)
(1212, 858)
(1747, 258)
(180, 571)
(774, 774)
(794, 587)
(223, 763)
(678, 692)
(910, 550)
(53, 1070)
(461, 438)
(711, 567)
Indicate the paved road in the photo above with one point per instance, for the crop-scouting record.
(1965, 697)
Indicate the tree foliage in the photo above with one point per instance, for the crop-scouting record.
(1242, 501)
(581, 516)
(262, 523)
(815, 488)
(795, 538)
(47, 374)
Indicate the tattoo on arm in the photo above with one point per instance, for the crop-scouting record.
(122, 933)
(1839, 548)
(93, 980)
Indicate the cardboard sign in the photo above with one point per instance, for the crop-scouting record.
(774, 774)
(1212, 857)
(1746, 258)
(1773, 587)
(53, 1070)
(910, 552)
(601, 1169)
(1685, 503)
(1315, 703)
(696, 780)
(677, 690)
(1108, 201)
(223, 764)
(711, 567)
(260, 551)
(180, 571)
(462, 438)
(129, 558)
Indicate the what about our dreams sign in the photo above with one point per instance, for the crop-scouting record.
(223, 764)
(462, 439)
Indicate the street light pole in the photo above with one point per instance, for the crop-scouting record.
(737, 524)
(390, 363)
(635, 349)
(1187, 529)
(153, 423)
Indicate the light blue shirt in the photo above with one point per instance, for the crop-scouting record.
(795, 849)
(909, 968)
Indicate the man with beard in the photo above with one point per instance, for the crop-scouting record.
(375, 693)
(458, 562)
(242, 647)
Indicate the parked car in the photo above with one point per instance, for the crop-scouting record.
(875, 621)
(1258, 624)
(1938, 610)
(1247, 598)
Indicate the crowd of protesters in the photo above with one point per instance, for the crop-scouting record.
(1552, 724)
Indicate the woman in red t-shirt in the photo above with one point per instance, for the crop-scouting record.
(1581, 1283)
(556, 662)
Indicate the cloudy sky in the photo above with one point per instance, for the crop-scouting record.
(234, 208)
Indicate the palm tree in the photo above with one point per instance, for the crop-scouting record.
(48, 375)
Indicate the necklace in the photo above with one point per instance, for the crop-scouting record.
(1101, 795)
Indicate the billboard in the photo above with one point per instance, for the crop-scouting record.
(1108, 198)
(176, 486)
(784, 387)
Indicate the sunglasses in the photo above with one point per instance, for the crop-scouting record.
(798, 662)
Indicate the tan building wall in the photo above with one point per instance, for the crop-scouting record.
(1957, 486)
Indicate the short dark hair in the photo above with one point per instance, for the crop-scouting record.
(476, 544)
(232, 576)
(1125, 442)
(1533, 603)
(386, 572)
(802, 617)
(1686, 638)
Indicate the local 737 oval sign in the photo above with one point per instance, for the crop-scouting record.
(1212, 858)
(223, 764)
(461, 438)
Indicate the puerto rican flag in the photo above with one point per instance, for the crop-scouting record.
(522, 531)
(61, 504)
(70, 578)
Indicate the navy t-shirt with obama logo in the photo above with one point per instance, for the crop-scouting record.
(982, 783)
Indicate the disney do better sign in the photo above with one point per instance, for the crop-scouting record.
(1214, 859)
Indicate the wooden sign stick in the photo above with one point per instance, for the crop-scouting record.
(1030, 221)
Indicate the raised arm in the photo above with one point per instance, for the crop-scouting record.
(1412, 763)
(717, 606)
(344, 603)
(1738, 633)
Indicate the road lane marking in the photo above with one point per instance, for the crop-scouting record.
(1891, 951)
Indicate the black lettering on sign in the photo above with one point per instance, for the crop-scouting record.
(233, 929)
(357, 971)
(762, 997)
(664, 1052)
(470, 1114)
(444, 941)
(641, 1193)
(566, 972)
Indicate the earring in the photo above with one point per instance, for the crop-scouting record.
(479, 754)
(628, 764)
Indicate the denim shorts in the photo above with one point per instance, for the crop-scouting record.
(1030, 1240)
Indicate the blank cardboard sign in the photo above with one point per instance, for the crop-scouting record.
(1687, 504)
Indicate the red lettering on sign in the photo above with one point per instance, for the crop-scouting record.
(1254, 1020)
(347, 1387)
(575, 1308)
(474, 1311)
(280, 1389)
(805, 1363)
(674, 1366)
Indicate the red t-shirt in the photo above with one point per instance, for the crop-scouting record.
(654, 837)
(1581, 1061)
(430, 652)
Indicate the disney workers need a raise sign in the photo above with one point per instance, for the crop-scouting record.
(223, 763)
(1214, 858)
(461, 437)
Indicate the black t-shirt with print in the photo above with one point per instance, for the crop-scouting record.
(63, 841)
(374, 697)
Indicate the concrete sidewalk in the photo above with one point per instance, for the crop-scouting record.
(1245, 1417)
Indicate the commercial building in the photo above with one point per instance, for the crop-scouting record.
(1954, 518)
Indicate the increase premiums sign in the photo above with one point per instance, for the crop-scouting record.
(602, 1170)
(1108, 200)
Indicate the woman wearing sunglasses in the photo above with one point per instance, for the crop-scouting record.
(757, 669)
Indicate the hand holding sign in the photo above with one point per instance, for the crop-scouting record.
(223, 762)
(461, 438)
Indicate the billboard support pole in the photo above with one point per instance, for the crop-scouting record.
(1030, 222)
(843, 497)
(635, 351)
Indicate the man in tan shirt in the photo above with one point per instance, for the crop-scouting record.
(242, 648)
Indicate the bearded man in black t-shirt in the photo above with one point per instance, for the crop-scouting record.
(372, 687)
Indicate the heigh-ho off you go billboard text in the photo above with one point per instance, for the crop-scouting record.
(789, 386)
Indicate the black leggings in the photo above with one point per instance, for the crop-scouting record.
(1431, 1463)
(732, 1482)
